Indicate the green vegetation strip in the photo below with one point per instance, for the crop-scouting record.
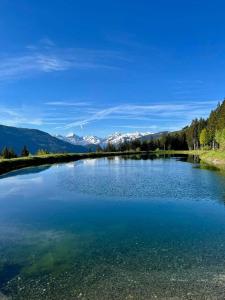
(211, 157)
(215, 158)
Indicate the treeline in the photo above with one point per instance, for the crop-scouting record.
(209, 133)
(171, 141)
(200, 134)
(8, 153)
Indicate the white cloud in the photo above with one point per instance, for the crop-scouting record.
(147, 112)
(18, 117)
(66, 103)
(45, 57)
(62, 115)
(99, 115)
(21, 66)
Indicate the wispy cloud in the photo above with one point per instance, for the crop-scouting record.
(137, 127)
(18, 117)
(59, 116)
(99, 115)
(66, 103)
(21, 66)
(147, 112)
(45, 57)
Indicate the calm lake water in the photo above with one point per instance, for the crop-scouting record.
(113, 228)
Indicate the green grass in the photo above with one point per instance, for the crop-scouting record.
(210, 157)
(189, 152)
(215, 158)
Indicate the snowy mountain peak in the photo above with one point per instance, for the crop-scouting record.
(92, 139)
(80, 140)
(71, 135)
(115, 138)
(118, 138)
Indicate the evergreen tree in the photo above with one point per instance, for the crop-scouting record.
(110, 148)
(99, 148)
(25, 152)
(8, 153)
(5, 153)
(144, 146)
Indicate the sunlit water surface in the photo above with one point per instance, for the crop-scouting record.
(113, 228)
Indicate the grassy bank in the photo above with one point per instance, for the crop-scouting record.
(215, 158)
(211, 157)
(173, 152)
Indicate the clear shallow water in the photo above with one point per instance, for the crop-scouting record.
(113, 228)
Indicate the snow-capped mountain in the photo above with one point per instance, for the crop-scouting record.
(92, 139)
(115, 138)
(80, 140)
(119, 138)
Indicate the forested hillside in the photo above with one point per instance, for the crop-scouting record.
(209, 133)
(13, 139)
(200, 134)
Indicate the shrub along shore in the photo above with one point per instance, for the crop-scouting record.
(215, 158)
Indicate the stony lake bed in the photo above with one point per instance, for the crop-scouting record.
(133, 227)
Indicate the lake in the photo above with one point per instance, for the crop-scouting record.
(134, 227)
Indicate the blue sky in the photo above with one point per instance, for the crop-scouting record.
(96, 67)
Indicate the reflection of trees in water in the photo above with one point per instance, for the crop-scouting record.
(194, 159)
(144, 156)
(153, 156)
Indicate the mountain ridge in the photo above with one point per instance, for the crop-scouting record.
(114, 139)
(34, 139)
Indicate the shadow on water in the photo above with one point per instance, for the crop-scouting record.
(26, 171)
(149, 156)
(198, 164)
(8, 272)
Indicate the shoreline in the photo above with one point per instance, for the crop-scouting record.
(212, 157)
(13, 164)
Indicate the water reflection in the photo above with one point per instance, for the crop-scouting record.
(133, 227)
(25, 171)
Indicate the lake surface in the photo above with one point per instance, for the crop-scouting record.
(113, 228)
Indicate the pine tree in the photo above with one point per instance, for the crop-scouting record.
(25, 152)
(5, 153)
(8, 153)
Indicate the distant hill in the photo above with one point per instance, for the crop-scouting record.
(153, 136)
(34, 140)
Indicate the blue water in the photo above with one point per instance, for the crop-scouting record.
(113, 228)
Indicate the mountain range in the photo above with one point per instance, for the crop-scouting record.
(16, 138)
(114, 139)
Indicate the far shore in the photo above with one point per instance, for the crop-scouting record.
(212, 157)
